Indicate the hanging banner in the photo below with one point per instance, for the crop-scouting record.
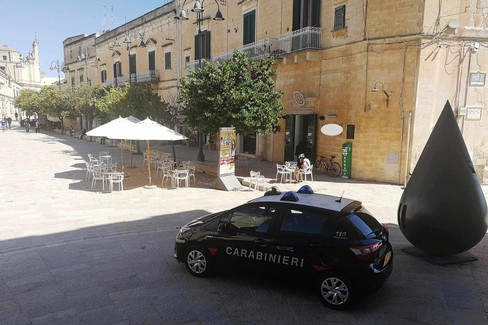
(227, 151)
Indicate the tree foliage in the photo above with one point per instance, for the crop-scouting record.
(28, 101)
(239, 92)
(139, 101)
(87, 100)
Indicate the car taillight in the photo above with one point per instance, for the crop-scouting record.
(365, 252)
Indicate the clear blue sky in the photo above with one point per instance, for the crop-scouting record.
(53, 21)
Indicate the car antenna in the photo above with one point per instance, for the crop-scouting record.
(340, 199)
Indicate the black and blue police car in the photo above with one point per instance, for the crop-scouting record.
(331, 240)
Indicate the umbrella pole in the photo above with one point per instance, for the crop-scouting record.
(122, 154)
(130, 154)
(149, 163)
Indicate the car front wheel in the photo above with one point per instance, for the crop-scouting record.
(335, 291)
(198, 262)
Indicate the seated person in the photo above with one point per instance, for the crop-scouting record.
(72, 131)
(302, 166)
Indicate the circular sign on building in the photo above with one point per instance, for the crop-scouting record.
(299, 98)
(331, 129)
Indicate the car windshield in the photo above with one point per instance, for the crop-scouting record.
(361, 225)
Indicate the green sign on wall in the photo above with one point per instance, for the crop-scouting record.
(346, 160)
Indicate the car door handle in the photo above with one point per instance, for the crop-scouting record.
(261, 242)
(285, 248)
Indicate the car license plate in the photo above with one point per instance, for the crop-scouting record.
(387, 258)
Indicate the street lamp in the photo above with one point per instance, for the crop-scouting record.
(128, 42)
(59, 66)
(198, 8)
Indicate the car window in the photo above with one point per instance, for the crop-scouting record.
(359, 225)
(249, 219)
(302, 222)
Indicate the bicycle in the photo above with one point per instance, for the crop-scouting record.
(329, 166)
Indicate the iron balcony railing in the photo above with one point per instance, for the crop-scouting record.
(257, 50)
(302, 39)
(299, 40)
(149, 76)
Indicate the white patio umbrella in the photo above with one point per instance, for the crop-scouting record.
(151, 130)
(133, 119)
(148, 130)
(113, 130)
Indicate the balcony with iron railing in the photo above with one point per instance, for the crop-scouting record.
(149, 76)
(307, 38)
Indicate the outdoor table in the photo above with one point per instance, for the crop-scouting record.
(106, 159)
(290, 167)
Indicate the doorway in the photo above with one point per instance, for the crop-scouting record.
(300, 132)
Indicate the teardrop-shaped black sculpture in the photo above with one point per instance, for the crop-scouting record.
(443, 210)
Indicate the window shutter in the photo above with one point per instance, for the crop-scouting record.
(207, 45)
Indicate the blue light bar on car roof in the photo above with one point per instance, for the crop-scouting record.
(306, 189)
(289, 196)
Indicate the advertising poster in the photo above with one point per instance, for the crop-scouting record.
(227, 151)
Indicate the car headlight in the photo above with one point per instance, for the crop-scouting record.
(183, 233)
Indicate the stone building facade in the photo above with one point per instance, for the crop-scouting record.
(16, 73)
(380, 69)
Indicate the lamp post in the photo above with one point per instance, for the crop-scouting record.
(128, 42)
(198, 8)
(58, 66)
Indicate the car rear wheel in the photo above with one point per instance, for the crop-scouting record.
(335, 291)
(198, 262)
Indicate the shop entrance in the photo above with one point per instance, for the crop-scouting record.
(300, 131)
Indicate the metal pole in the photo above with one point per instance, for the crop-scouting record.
(201, 156)
(59, 79)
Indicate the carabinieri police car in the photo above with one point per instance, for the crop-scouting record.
(331, 240)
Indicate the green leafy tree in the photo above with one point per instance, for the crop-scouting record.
(28, 101)
(87, 101)
(239, 92)
(56, 102)
(139, 101)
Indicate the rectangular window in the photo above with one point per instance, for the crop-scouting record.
(151, 57)
(205, 45)
(249, 29)
(187, 61)
(103, 76)
(477, 79)
(132, 64)
(81, 78)
(117, 69)
(340, 17)
(5, 58)
(167, 60)
(302, 222)
(305, 13)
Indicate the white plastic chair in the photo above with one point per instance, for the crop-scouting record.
(191, 173)
(98, 176)
(89, 170)
(117, 178)
(181, 175)
(306, 172)
(256, 178)
(168, 173)
(282, 172)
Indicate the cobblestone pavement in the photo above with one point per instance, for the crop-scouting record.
(72, 255)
